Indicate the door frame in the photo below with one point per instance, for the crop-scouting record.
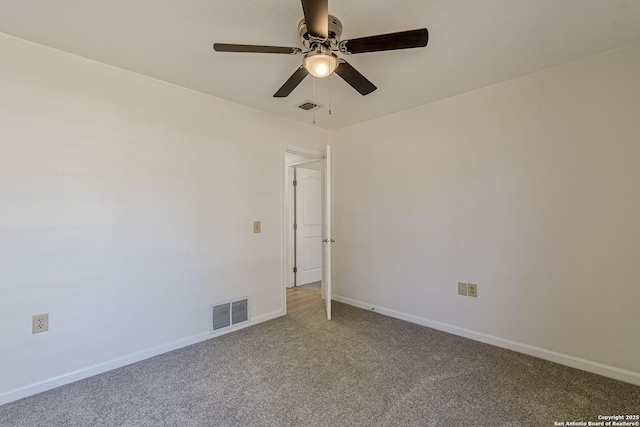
(307, 156)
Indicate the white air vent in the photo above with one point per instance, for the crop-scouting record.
(230, 313)
(221, 315)
(309, 106)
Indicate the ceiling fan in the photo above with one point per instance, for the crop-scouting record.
(320, 35)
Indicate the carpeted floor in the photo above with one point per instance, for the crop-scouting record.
(360, 369)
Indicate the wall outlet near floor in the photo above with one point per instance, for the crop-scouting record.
(473, 290)
(256, 226)
(462, 288)
(40, 323)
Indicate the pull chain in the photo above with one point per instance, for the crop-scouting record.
(313, 98)
(330, 80)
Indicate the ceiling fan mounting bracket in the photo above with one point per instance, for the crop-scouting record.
(311, 43)
(342, 47)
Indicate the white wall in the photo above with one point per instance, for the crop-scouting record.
(126, 208)
(530, 188)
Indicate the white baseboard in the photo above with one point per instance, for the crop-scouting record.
(100, 368)
(560, 358)
(267, 316)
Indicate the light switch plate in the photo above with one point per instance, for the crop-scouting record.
(462, 288)
(256, 226)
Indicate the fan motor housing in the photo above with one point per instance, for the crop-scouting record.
(309, 42)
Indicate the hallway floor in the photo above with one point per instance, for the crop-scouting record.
(298, 297)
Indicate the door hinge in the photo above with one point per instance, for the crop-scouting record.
(295, 182)
(295, 226)
(295, 269)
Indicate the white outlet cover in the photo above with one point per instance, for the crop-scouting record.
(473, 290)
(40, 323)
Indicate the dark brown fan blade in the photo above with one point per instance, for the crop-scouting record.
(224, 47)
(354, 78)
(393, 41)
(316, 15)
(292, 83)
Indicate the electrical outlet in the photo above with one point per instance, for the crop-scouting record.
(462, 288)
(40, 323)
(473, 290)
(256, 226)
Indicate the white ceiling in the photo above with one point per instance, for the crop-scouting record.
(472, 44)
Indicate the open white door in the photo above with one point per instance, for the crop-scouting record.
(327, 232)
(308, 229)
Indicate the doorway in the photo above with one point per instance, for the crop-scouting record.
(303, 223)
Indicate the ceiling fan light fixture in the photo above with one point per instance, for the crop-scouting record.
(321, 63)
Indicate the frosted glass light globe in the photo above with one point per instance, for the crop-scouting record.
(320, 64)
